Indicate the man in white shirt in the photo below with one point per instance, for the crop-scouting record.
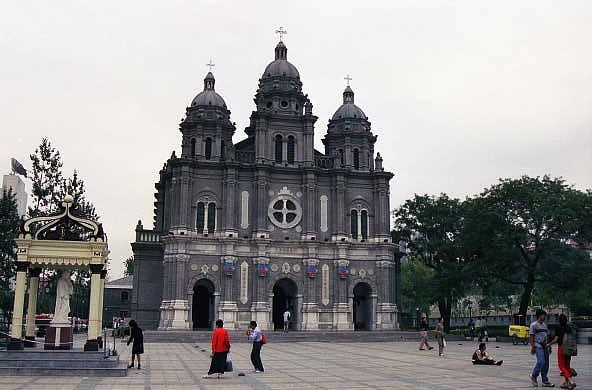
(287, 316)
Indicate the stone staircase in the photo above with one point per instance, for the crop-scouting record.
(186, 336)
(60, 363)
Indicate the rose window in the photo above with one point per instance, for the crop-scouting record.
(285, 211)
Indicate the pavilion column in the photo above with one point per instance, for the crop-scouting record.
(93, 316)
(32, 307)
(19, 305)
(101, 301)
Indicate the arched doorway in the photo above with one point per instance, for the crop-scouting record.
(362, 306)
(202, 310)
(285, 292)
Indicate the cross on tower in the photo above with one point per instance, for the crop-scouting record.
(210, 64)
(348, 78)
(281, 32)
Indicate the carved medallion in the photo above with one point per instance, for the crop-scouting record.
(275, 267)
(286, 268)
(296, 268)
(194, 267)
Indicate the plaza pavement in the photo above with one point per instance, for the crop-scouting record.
(303, 365)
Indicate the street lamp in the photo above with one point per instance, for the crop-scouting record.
(417, 316)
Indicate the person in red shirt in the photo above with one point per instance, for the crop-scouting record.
(220, 349)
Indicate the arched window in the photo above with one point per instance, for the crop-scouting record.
(341, 157)
(278, 149)
(192, 147)
(211, 217)
(199, 221)
(354, 224)
(356, 159)
(208, 148)
(222, 151)
(291, 149)
(205, 221)
(364, 224)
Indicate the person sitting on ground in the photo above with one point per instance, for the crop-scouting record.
(480, 356)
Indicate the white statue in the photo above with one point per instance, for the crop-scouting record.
(62, 307)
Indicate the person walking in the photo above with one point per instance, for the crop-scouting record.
(254, 334)
(137, 338)
(423, 334)
(563, 359)
(539, 335)
(440, 337)
(287, 316)
(220, 349)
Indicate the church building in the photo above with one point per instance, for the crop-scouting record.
(243, 231)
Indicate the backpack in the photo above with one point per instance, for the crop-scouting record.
(263, 339)
(569, 343)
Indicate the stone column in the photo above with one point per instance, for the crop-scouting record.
(19, 303)
(227, 309)
(32, 307)
(310, 308)
(101, 300)
(260, 309)
(385, 310)
(93, 313)
(339, 212)
(342, 307)
(180, 308)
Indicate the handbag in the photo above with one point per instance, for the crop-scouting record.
(444, 342)
(228, 366)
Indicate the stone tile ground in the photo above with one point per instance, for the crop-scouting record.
(396, 365)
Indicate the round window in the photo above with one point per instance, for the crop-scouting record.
(284, 211)
(284, 104)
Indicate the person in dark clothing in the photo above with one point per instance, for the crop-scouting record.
(137, 341)
(563, 361)
(220, 349)
(480, 356)
(423, 334)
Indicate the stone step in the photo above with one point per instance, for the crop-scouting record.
(279, 337)
(54, 354)
(119, 371)
(58, 363)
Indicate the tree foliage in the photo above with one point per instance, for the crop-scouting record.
(432, 227)
(522, 230)
(129, 266)
(46, 179)
(9, 221)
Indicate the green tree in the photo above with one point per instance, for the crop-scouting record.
(129, 266)
(46, 179)
(9, 221)
(521, 230)
(417, 285)
(432, 227)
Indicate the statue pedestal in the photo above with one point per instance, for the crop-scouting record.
(59, 336)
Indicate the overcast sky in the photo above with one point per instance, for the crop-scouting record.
(459, 93)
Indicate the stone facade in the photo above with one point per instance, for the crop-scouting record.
(244, 231)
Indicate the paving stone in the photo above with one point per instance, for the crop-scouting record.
(317, 365)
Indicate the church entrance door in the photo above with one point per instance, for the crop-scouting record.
(284, 297)
(362, 306)
(202, 312)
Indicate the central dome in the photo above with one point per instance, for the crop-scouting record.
(281, 67)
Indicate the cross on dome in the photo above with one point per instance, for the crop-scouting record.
(348, 78)
(281, 32)
(210, 64)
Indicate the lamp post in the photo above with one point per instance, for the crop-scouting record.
(470, 312)
(417, 316)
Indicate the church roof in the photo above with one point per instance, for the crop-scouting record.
(126, 282)
(280, 66)
(208, 97)
(348, 109)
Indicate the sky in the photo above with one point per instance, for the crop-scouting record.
(460, 93)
